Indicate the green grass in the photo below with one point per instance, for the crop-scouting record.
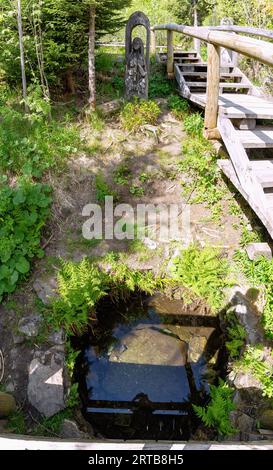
(16, 422)
(194, 124)
(179, 106)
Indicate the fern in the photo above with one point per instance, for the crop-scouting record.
(204, 272)
(217, 413)
(80, 286)
(236, 335)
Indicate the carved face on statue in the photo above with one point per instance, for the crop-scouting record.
(137, 44)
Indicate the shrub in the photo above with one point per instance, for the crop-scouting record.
(159, 85)
(138, 113)
(194, 124)
(29, 147)
(204, 272)
(178, 106)
(217, 412)
(23, 212)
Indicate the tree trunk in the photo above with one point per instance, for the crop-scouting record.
(91, 58)
(22, 53)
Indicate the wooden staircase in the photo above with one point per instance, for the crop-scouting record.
(245, 123)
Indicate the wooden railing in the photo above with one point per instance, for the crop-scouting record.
(257, 49)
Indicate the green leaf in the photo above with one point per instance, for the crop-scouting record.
(14, 277)
(19, 197)
(22, 265)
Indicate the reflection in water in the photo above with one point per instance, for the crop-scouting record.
(143, 374)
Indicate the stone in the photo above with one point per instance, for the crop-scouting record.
(151, 244)
(197, 345)
(46, 390)
(45, 288)
(242, 421)
(137, 64)
(70, 430)
(18, 339)
(29, 326)
(266, 419)
(246, 380)
(57, 337)
(255, 250)
(110, 107)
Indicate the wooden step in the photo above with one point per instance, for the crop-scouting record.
(269, 199)
(184, 53)
(205, 74)
(263, 170)
(261, 137)
(222, 85)
(183, 59)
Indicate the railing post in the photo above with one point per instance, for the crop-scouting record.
(170, 59)
(213, 82)
(153, 42)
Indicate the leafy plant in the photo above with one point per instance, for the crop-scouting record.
(204, 272)
(138, 113)
(261, 366)
(122, 174)
(194, 124)
(103, 189)
(260, 273)
(159, 85)
(23, 212)
(200, 164)
(136, 190)
(236, 335)
(52, 426)
(16, 422)
(80, 286)
(30, 146)
(73, 398)
(217, 413)
(178, 106)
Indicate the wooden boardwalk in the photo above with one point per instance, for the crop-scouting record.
(245, 122)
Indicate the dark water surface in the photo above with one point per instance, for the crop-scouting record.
(143, 366)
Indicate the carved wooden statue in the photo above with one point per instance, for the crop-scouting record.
(137, 63)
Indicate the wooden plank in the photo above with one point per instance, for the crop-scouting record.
(261, 137)
(183, 87)
(211, 111)
(241, 163)
(205, 74)
(227, 167)
(19, 442)
(221, 85)
(237, 106)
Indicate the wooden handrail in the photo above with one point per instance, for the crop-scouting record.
(250, 47)
(265, 33)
